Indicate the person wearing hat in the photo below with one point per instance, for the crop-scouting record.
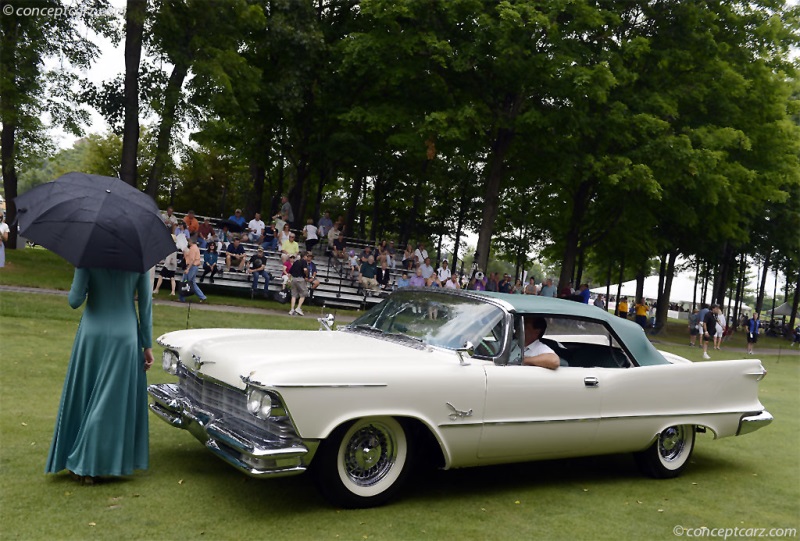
(257, 267)
(238, 218)
(4, 231)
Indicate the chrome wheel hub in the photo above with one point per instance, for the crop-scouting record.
(369, 455)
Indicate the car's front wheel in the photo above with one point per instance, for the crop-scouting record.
(669, 454)
(363, 463)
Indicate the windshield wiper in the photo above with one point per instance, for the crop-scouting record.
(403, 335)
(365, 327)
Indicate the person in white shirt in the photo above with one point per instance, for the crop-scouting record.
(421, 254)
(4, 232)
(452, 283)
(443, 272)
(537, 353)
(256, 228)
(310, 233)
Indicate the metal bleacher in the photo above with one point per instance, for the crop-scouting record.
(335, 288)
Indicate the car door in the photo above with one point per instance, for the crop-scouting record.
(534, 412)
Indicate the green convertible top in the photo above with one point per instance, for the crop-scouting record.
(630, 333)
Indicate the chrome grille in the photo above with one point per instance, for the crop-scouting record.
(228, 403)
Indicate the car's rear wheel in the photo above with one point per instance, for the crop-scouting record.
(669, 454)
(363, 463)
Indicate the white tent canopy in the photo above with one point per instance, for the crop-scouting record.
(784, 309)
(682, 291)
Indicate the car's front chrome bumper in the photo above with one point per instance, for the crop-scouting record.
(750, 422)
(252, 451)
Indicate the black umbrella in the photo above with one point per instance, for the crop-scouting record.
(233, 227)
(95, 222)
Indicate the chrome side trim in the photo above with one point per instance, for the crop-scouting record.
(327, 385)
(611, 418)
(750, 422)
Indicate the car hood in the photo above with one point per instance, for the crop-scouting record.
(291, 358)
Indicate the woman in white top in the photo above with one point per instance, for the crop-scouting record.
(283, 234)
(310, 233)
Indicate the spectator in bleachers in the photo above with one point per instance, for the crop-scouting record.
(299, 272)
(421, 254)
(290, 247)
(433, 281)
(210, 259)
(531, 288)
(403, 281)
(409, 261)
(426, 268)
(279, 223)
(313, 281)
(283, 233)
(339, 248)
(479, 282)
(238, 219)
(443, 272)
(285, 213)
(505, 285)
(452, 283)
(182, 229)
(518, 288)
(224, 237)
(205, 233)
(270, 241)
(392, 250)
(234, 255)
(493, 282)
(170, 220)
(255, 229)
(286, 277)
(257, 267)
(368, 270)
(417, 280)
(168, 270)
(310, 234)
(325, 224)
(353, 264)
(383, 276)
(192, 225)
(548, 289)
(333, 234)
(366, 253)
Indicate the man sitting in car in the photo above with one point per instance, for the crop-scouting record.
(537, 353)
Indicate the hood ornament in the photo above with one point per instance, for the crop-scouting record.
(326, 323)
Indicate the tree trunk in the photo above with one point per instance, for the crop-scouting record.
(580, 203)
(619, 284)
(795, 303)
(491, 198)
(762, 288)
(172, 96)
(8, 118)
(134, 28)
(377, 197)
(666, 275)
(640, 284)
(352, 204)
(258, 175)
(742, 274)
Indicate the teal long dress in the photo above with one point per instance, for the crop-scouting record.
(101, 428)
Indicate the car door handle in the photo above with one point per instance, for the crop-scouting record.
(591, 381)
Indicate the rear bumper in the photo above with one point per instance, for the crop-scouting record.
(750, 422)
(247, 448)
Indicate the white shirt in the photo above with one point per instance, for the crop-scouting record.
(421, 255)
(537, 348)
(333, 234)
(256, 226)
(450, 285)
(4, 230)
(444, 274)
(311, 232)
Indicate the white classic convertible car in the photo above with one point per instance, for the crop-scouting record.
(439, 372)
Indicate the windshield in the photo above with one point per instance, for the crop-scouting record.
(446, 321)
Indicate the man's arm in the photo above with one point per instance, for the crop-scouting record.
(544, 360)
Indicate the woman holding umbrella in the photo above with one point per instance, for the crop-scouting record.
(113, 234)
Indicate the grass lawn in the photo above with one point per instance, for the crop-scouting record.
(747, 482)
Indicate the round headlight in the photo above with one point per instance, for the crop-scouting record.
(266, 407)
(254, 397)
(169, 362)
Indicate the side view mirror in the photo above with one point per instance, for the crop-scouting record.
(469, 349)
